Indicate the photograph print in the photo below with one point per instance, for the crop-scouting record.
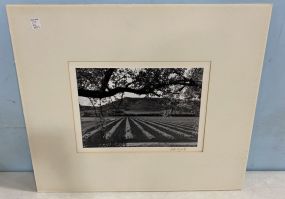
(139, 107)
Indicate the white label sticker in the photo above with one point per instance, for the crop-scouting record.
(36, 24)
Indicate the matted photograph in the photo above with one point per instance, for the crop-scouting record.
(139, 106)
(126, 96)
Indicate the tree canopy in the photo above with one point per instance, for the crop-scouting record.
(153, 82)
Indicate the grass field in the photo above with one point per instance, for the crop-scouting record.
(139, 131)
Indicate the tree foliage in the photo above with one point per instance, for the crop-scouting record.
(102, 83)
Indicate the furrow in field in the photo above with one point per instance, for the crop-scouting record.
(163, 126)
(185, 123)
(113, 129)
(156, 130)
(96, 125)
(89, 134)
(177, 125)
(89, 126)
(171, 125)
(182, 124)
(128, 131)
(146, 133)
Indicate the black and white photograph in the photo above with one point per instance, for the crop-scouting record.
(139, 107)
